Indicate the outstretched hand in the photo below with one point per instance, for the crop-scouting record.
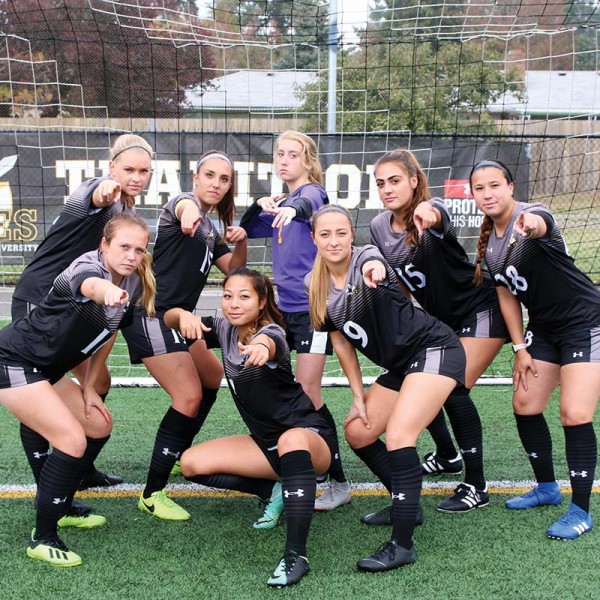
(373, 272)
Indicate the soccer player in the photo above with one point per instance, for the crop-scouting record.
(187, 245)
(288, 437)
(287, 220)
(78, 229)
(417, 239)
(355, 295)
(528, 259)
(86, 305)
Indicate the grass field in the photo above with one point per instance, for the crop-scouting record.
(491, 552)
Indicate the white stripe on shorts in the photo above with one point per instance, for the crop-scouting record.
(319, 342)
(433, 360)
(482, 329)
(595, 344)
(16, 376)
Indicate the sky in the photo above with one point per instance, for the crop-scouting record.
(351, 13)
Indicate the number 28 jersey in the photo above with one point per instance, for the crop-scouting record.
(542, 275)
(381, 322)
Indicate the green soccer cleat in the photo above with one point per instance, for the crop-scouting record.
(273, 510)
(53, 551)
(159, 505)
(176, 470)
(82, 521)
(290, 570)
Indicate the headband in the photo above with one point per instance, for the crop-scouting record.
(213, 155)
(129, 148)
(492, 163)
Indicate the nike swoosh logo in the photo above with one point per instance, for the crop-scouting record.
(149, 507)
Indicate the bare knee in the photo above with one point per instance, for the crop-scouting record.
(187, 404)
(98, 428)
(569, 417)
(192, 463)
(292, 439)
(72, 443)
(358, 436)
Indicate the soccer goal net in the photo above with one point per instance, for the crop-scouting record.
(455, 82)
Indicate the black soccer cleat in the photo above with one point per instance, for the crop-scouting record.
(290, 570)
(389, 556)
(96, 478)
(384, 517)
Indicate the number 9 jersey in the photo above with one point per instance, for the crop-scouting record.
(381, 322)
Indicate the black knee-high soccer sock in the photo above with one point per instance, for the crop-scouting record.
(299, 488)
(375, 456)
(209, 397)
(444, 446)
(407, 480)
(93, 448)
(466, 424)
(535, 437)
(171, 439)
(226, 481)
(58, 480)
(37, 449)
(582, 454)
(336, 471)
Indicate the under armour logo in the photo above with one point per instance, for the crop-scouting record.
(59, 500)
(41, 454)
(211, 235)
(532, 454)
(576, 354)
(414, 365)
(336, 456)
(579, 473)
(298, 493)
(167, 452)
(469, 451)
(304, 343)
(398, 496)
(387, 244)
(466, 330)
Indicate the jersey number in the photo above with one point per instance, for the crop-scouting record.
(516, 283)
(356, 332)
(206, 263)
(410, 275)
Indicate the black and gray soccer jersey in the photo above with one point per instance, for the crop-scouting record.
(436, 271)
(181, 262)
(382, 322)
(66, 327)
(542, 275)
(77, 229)
(268, 398)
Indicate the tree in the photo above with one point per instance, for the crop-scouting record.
(135, 60)
(296, 29)
(412, 71)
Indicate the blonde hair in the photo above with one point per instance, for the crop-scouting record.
(410, 165)
(309, 154)
(318, 292)
(144, 269)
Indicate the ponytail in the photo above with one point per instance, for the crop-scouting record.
(484, 236)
